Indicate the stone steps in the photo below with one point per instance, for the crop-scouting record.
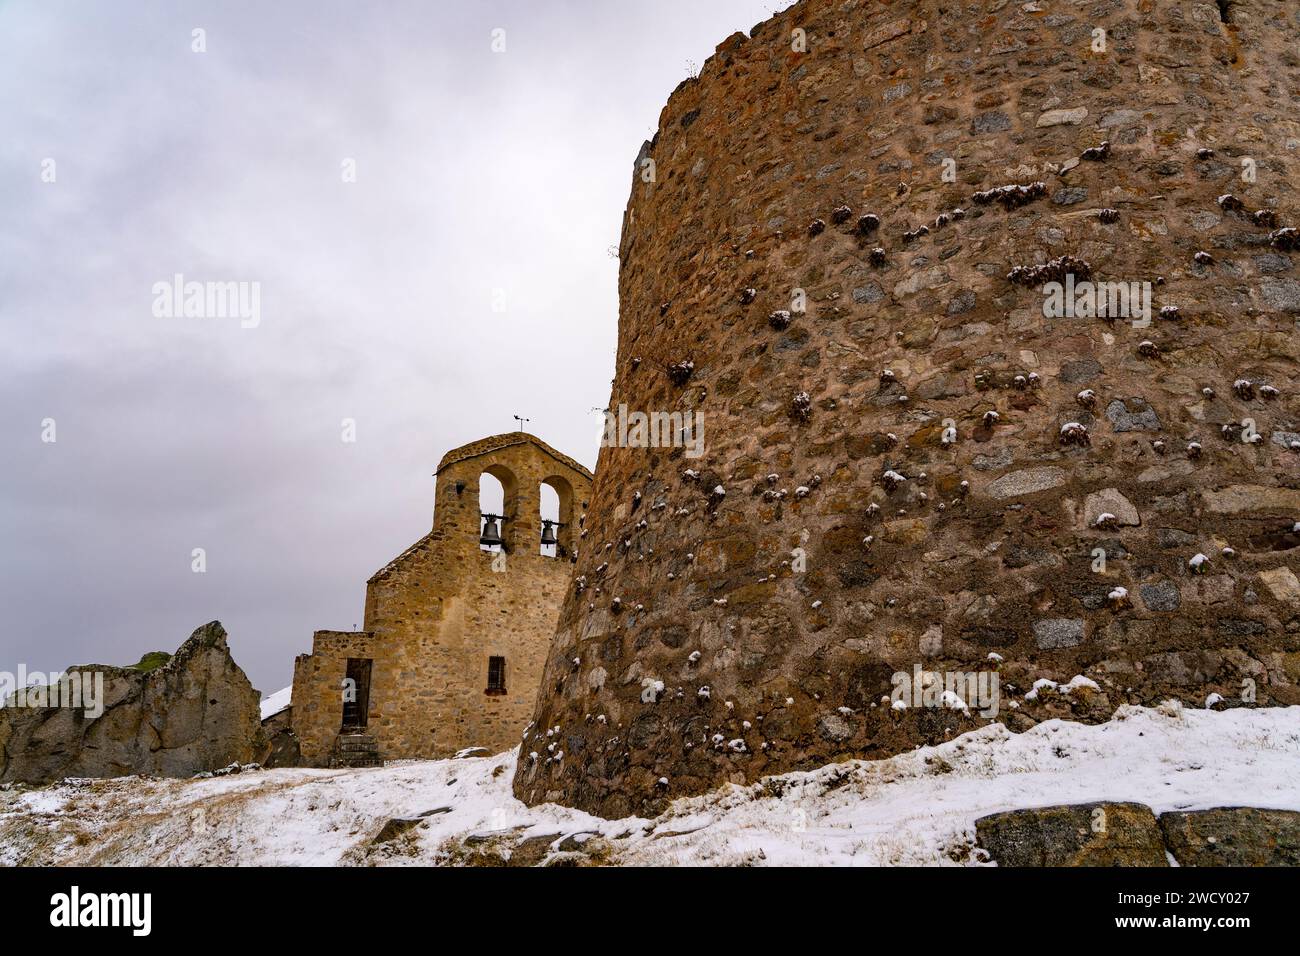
(355, 750)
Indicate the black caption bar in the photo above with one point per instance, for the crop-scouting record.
(137, 906)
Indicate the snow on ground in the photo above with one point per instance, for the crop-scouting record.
(917, 808)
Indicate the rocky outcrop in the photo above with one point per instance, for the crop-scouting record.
(1233, 836)
(195, 712)
(1129, 834)
(1084, 834)
(282, 749)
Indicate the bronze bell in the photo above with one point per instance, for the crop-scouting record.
(548, 532)
(491, 536)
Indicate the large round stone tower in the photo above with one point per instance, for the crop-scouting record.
(918, 455)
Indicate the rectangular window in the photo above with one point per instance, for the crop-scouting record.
(496, 675)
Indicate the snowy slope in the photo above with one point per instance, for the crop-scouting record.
(917, 808)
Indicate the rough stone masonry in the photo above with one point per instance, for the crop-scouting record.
(837, 248)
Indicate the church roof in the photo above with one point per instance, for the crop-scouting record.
(496, 442)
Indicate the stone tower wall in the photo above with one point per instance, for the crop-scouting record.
(438, 611)
(780, 581)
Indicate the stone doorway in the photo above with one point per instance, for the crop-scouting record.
(356, 695)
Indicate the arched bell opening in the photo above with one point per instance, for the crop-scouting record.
(498, 508)
(559, 530)
(548, 513)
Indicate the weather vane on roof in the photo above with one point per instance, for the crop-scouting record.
(521, 421)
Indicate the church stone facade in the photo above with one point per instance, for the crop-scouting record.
(454, 635)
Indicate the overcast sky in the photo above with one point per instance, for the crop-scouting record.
(480, 177)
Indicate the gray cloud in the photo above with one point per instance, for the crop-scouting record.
(475, 172)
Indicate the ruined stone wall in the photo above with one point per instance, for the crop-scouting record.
(438, 611)
(922, 469)
(317, 710)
